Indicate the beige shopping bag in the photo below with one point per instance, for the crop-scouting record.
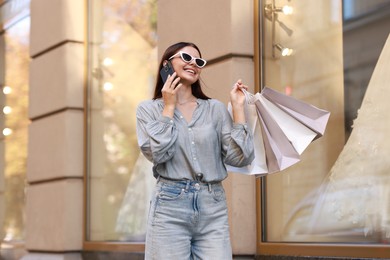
(283, 127)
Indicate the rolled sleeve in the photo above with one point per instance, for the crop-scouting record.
(156, 137)
(237, 142)
(241, 151)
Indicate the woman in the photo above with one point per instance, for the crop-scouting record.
(189, 138)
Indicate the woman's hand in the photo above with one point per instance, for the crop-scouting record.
(169, 90)
(237, 99)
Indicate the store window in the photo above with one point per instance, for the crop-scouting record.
(302, 57)
(14, 74)
(316, 200)
(122, 54)
(365, 22)
(355, 9)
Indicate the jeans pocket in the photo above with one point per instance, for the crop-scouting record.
(170, 193)
(219, 194)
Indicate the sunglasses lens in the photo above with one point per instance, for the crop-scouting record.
(186, 57)
(200, 62)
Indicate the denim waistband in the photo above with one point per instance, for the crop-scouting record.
(189, 184)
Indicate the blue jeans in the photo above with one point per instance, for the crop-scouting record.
(188, 220)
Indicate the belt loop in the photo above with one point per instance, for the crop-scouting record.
(188, 185)
(209, 187)
(158, 179)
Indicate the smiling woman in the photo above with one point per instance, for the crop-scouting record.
(189, 138)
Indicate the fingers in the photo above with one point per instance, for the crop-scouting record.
(169, 80)
(244, 87)
(175, 83)
(172, 82)
(239, 85)
(237, 95)
(170, 88)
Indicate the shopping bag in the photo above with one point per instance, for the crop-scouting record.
(259, 164)
(309, 115)
(282, 128)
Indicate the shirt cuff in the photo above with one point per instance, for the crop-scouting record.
(240, 126)
(166, 119)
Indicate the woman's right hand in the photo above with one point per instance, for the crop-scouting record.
(169, 90)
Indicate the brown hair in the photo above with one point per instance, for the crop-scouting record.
(171, 50)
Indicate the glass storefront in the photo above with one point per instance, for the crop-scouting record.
(14, 75)
(301, 55)
(354, 9)
(318, 200)
(122, 54)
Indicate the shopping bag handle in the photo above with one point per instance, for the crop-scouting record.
(249, 97)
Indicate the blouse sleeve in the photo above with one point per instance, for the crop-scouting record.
(237, 142)
(156, 134)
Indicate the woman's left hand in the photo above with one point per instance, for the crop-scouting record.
(237, 97)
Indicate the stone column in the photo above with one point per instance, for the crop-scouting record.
(54, 210)
(223, 30)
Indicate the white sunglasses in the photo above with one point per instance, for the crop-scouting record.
(200, 63)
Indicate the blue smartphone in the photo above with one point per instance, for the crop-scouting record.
(166, 70)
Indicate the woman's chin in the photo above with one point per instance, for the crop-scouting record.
(188, 80)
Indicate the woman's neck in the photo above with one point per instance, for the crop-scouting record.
(184, 95)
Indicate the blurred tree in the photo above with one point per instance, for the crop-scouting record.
(16, 77)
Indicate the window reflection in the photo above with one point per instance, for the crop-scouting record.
(14, 127)
(123, 60)
(312, 73)
(352, 205)
(353, 9)
(316, 201)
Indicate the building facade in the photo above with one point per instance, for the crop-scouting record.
(73, 184)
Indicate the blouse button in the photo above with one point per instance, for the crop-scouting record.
(189, 129)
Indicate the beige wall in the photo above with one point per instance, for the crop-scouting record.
(222, 29)
(55, 154)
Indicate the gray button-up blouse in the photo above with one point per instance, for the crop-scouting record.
(181, 150)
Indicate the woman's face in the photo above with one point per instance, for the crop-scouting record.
(188, 72)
